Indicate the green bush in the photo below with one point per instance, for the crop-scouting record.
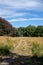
(5, 48)
(37, 50)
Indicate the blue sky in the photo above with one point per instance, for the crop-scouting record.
(22, 12)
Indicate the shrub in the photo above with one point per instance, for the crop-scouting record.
(37, 50)
(5, 48)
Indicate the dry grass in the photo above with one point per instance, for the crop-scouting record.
(27, 39)
(22, 45)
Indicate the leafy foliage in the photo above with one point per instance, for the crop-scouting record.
(37, 50)
(30, 31)
(39, 31)
(5, 28)
(6, 48)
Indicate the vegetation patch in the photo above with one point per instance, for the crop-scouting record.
(6, 48)
(37, 49)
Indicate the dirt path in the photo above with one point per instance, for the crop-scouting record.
(20, 43)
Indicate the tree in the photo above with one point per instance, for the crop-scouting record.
(30, 30)
(5, 27)
(19, 32)
(39, 31)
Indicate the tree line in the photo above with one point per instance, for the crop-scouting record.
(30, 31)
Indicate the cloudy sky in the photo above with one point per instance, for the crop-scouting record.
(22, 12)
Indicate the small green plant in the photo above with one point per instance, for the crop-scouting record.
(6, 48)
(37, 49)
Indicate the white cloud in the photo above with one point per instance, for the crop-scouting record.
(5, 12)
(18, 19)
(24, 19)
(35, 19)
(9, 11)
(30, 4)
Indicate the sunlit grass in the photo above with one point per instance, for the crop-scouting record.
(26, 43)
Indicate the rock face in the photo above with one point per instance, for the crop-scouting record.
(5, 27)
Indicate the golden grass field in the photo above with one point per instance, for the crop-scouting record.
(22, 45)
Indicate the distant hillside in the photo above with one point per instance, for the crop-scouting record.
(5, 27)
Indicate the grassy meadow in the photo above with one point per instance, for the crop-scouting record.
(21, 45)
